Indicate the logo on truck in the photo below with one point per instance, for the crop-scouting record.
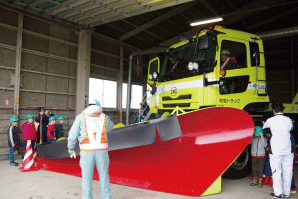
(174, 91)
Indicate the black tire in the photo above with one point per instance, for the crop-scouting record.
(241, 167)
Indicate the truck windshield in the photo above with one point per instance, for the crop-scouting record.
(175, 65)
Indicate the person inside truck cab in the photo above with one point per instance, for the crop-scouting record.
(228, 62)
(175, 63)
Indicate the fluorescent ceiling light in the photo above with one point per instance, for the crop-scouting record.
(206, 21)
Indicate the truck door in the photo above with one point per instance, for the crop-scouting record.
(233, 61)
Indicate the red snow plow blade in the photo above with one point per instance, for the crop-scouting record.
(188, 165)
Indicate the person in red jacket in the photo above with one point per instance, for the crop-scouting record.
(29, 131)
(51, 132)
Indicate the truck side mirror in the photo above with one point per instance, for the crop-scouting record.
(153, 69)
(203, 42)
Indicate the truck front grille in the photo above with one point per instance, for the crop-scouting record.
(181, 97)
(174, 105)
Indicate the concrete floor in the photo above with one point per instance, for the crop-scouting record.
(49, 185)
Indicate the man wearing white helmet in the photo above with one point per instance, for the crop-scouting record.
(90, 128)
(228, 62)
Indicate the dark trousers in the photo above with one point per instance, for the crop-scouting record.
(33, 144)
(257, 166)
(267, 169)
(11, 154)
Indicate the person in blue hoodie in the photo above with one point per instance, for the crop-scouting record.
(258, 144)
(59, 127)
(90, 129)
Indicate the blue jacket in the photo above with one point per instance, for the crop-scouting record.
(59, 131)
(45, 122)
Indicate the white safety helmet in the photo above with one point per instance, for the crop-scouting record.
(94, 102)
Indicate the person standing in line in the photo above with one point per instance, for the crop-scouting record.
(13, 139)
(29, 132)
(90, 128)
(43, 121)
(258, 144)
(280, 151)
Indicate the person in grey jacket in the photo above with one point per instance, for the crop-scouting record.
(258, 144)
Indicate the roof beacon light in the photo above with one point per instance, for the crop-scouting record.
(206, 21)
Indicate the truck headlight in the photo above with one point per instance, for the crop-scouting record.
(195, 66)
(155, 75)
(190, 66)
(150, 77)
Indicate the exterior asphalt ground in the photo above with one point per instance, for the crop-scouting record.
(49, 185)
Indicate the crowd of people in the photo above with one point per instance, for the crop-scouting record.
(48, 130)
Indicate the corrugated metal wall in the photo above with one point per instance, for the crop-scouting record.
(48, 70)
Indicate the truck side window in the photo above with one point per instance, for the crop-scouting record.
(254, 54)
(237, 54)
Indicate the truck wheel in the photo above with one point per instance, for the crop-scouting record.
(241, 167)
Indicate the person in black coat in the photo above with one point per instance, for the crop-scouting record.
(43, 121)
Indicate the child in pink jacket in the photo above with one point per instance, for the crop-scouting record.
(29, 131)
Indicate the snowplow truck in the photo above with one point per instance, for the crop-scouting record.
(218, 67)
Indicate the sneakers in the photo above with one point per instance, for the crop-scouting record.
(14, 164)
(293, 191)
(285, 196)
(274, 196)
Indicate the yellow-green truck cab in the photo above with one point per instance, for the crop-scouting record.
(191, 75)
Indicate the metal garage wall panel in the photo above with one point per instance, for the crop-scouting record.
(71, 102)
(32, 81)
(73, 52)
(59, 49)
(98, 44)
(4, 78)
(72, 86)
(56, 101)
(8, 17)
(29, 60)
(110, 48)
(8, 36)
(57, 84)
(58, 67)
(97, 71)
(59, 32)
(111, 74)
(6, 93)
(97, 59)
(36, 25)
(35, 43)
(8, 57)
(27, 101)
(72, 69)
(112, 62)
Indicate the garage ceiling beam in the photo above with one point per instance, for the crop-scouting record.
(158, 20)
(283, 14)
(61, 5)
(78, 10)
(233, 7)
(249, 10)
(98, 21)
(154, 35)
(39, 2)
(210, 8)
